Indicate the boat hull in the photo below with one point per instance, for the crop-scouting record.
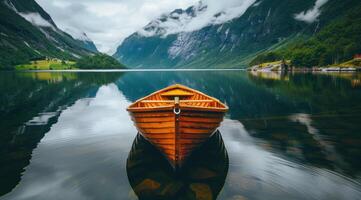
(177, 135)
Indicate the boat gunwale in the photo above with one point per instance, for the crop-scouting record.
(223, 108)
(170, 108)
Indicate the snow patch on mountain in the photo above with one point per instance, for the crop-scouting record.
(257, 3)
(175, 22)
(27, 44)
(182, 46)
(10, 5)
(75, 55)
(206, 13)
(79, 35)
(312, 14)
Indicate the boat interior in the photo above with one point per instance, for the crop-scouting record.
(178, 94)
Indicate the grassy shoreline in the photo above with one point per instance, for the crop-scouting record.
(96, 61)
(53, 64)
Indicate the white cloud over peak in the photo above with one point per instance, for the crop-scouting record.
(218, 12)
(206, 13)
(109, 22)
(312, 14)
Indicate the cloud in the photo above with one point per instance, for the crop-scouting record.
(108, 22)
(205, 13)
(36, 19)
(311, 15)
(33, 17)
(73, 151)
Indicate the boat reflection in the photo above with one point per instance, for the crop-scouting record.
(202, 177)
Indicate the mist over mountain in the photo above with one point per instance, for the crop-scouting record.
(230, 36)
(83, 38)
(28, 32)
(209, 34)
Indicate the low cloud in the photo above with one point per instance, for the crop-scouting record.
(311, 15)
(36, 19)
(205, 13)
(108, 22)
(33, 17)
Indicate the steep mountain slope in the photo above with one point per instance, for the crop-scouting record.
(89, 45)
(265, 25)
(83, 38)
(336, 43)
(28, 32)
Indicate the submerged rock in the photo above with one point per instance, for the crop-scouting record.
(172, 189)
(202, 191)
(147, 185)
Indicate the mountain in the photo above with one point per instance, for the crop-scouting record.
(99, 61)
(28, 32)
(89, 45)
(83, 38)
(263, 25)
(334, 44)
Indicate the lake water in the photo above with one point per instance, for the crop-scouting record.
(69, 136)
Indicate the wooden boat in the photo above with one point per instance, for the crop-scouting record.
(177, 120)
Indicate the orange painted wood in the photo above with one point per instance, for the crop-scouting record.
(159, 136)
(177, 93)
(177, 135)
(199, 125)
(201, 115)
(152, 114)
(201, 119)
(150, 120)
(157, 130)
(156, 125)
(196, 131)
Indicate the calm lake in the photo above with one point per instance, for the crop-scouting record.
(69, 136)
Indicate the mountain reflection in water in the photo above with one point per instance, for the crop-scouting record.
(288, 136)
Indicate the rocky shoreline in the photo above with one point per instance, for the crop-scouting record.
(314, 69)
(283, 66)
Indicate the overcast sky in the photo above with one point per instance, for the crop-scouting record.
(108, 22)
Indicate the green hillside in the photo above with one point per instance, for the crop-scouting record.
(96, 61)
(21, 41)
(336, 43)
(99, 61)
(268, 26)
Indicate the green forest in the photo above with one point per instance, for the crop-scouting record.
(336, 43)
(99, 61)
